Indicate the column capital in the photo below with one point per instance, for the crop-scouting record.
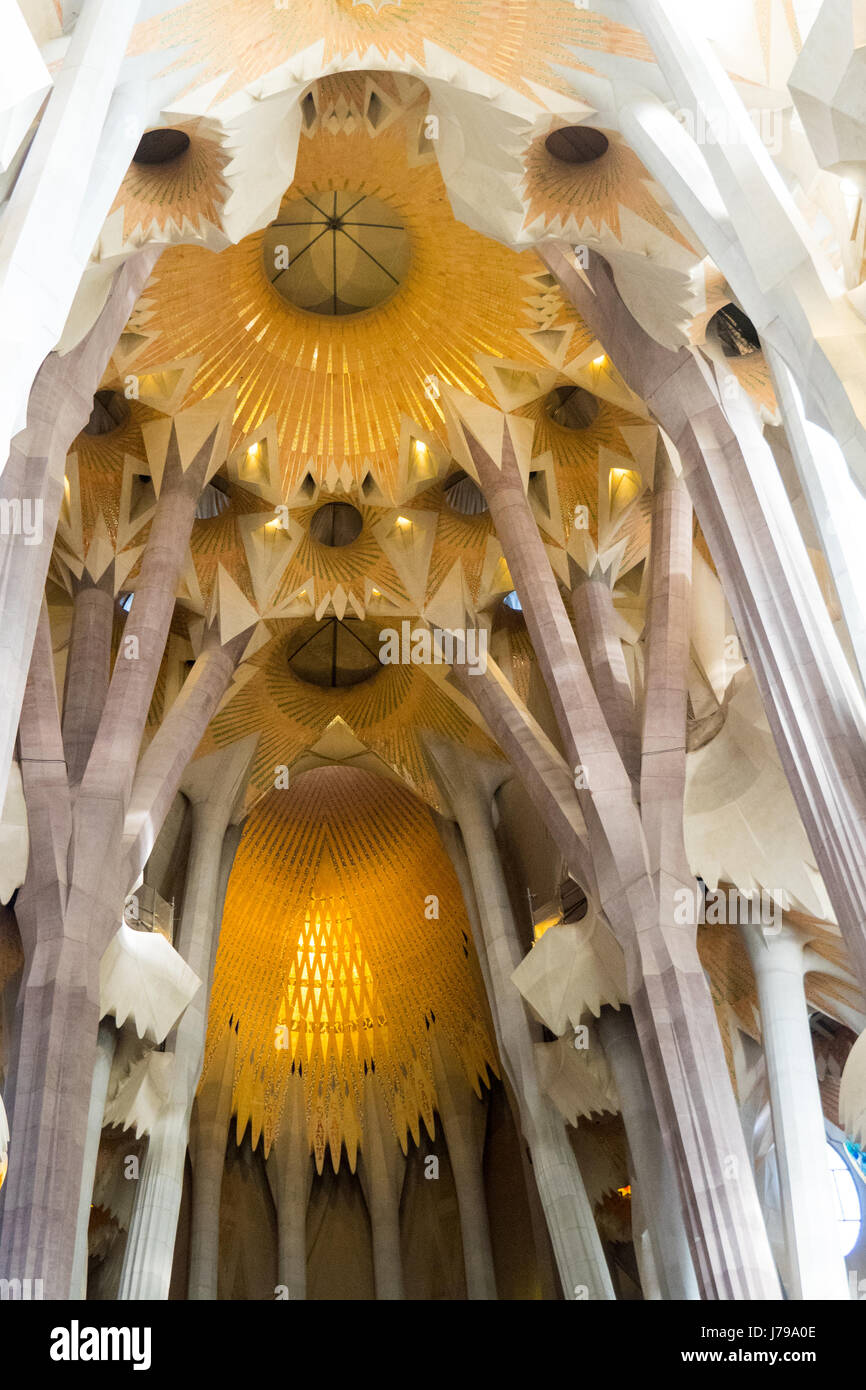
(775, 946)
(216, 783)
(465, 779)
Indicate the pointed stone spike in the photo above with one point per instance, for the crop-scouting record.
(100, 551)
(483, 422)
(236, 613)
(208, 422)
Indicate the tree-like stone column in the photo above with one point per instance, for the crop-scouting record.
(290, 1174)
(463, 1117)
(654, 1176)
(469, 787)
(381, 1169)
(601, 647)
(814, 708)
(105, 1048)
(816, 1267)
(80, 870)
(214, 785)
(32, 484)
(211, 1117)
(637, 861)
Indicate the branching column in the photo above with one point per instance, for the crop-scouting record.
(88, 669)
(570, 1222)
(290, 1174)
(105, 1048)
(60, 405)
(638, 860)
(150, 1246)
(810, 698)
(655, 1178)
(381, 1169)
(80, 872)
(211, 1117)
(463, 1116)
(808, 1202)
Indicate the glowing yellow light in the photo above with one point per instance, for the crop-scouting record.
(618, 472)
(420, 446)
(599, 361)
(66, 484)
(623, 1191)
(403, 521)
(376, 592)
(253, 450)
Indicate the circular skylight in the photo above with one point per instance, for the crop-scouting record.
(577, 144)
(736, 333)
(336, 253)
(336, 524)
(335, 653)
(572, 407)
(161, 146)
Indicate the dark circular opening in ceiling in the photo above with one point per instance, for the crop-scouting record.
(110, 411)
(161, 146)
(336, 524)
(736, 333)
(463, 494)
(335, 653)
(577, 144)
(336, 252)
(572, 407)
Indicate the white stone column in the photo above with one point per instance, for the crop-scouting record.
(214, 785)
(654, 1177)
(463, 1120)
(381, 1170)
(643, 1251)
(808, 1206)
(69, 178)
(105, 1044)
(583, 1270)
(290, 1174)
(211, 1117)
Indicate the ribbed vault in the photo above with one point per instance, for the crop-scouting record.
(331, 961)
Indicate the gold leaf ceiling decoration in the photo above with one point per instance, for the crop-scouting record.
(516, 42)
(593, 194)
(180, 197)
(349, 567)
(340, 389)
(387, 713)
(327, 963)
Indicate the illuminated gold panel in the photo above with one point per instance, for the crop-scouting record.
(330, 962)
(340, 387)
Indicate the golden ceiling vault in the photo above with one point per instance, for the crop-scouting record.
(344, 940)
(388, 714)
(340, 389)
